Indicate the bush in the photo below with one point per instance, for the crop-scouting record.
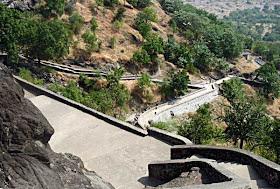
(92, 7)
(119, 15)
(141, 57)
(77, 22)
(110, 3)
(94, 24)
(100, 2)
(113, 42)
(117, 25)
(70, 7)
(144, 82)
(90, 40)
(27, 75)
(140, 3)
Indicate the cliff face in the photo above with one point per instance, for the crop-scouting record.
(26, 159)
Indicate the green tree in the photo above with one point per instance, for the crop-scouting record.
(272, 140)
(232, 89)
(153, 46)
(180, 82)
(174, 26)
(245, 117)
(90, 39)
(200, 129)
(140, 3)
(12, 30)
(141, 56)
(150, 14)
(202, 56)
(113, 79)
(144, 82)
(57, 6)
(223, 42)
(268, 76)
(110, 3)
(144, 29)
(94, 24)
(47, 40)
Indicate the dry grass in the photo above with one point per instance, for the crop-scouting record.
(244, 66)
(274, 108)
(154, 91)
(125, 45)
(225, 7)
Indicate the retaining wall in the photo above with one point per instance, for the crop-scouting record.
(190, 106)
(220, 178)
(164, 136)
(168, 137)
(111, 120)
(268, 170)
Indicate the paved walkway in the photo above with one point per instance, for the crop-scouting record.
(118, 156)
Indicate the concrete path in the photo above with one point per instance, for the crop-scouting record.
(118, 156)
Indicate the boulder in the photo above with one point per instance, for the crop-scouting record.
(27, 161)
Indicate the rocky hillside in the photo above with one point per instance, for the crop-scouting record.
(127, 37)
(27, 160)
(224, 7)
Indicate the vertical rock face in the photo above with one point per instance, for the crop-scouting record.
(26, 159)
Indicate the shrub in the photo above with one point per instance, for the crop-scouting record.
(27, 75)
(77, 22)
(110, 3)
(117, 25)
(100, 2)
(113, 42)
(144, 82)
(70, 7)
(140, 3)
(90, 39)
(94, 24)
(141, 57)
(92, 7)
(119, 15)
(144, 29)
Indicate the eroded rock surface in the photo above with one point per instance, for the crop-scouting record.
(26, 159)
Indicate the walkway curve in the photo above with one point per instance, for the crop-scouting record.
(88, 72)
(183, 104)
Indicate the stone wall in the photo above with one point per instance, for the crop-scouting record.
(266, 169)
(217, 177)
(168, 137)
(189, 106)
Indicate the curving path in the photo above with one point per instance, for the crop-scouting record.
(184, 104)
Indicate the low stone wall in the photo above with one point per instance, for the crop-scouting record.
(266, 169)
(111, 120)
(168, 137)
(221, 178)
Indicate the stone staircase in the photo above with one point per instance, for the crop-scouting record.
(244, 171)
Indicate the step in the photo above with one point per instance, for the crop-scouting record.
(260, 183)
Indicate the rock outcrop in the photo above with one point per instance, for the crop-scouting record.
(26, 159)
(22, 5)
